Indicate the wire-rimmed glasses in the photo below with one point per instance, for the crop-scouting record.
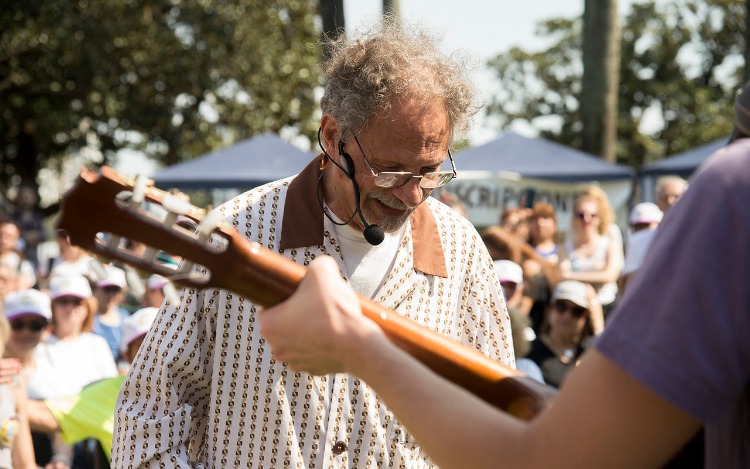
(390, 179)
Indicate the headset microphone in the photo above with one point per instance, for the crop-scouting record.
(373, 233)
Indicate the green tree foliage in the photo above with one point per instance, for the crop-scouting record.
(681, 65)
(173, 78)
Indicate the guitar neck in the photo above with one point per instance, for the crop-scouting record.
(94, 212)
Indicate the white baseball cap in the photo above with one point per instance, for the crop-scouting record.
(136, 326)
(571, 290)
(155, 282)
(645, 212)
(20, 303)
(69, 285)
(113, 277)
(509, 271)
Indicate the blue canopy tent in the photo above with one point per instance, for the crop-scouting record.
(682, 164)
(538, 158)
(514, 171)
(242, 166)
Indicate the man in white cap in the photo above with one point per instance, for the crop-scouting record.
(110, 291)
(510, 275)
(90, 414)
(644, 219)
(154, 295)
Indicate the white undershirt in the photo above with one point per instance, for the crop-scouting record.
(366, 265)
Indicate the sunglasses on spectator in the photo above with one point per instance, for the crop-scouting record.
(577, 311)
(509, 288)
(32, 325)
(586, 216)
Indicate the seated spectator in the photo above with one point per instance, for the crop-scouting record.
(543, 231)
(30, 221)
(539, 276)
(69, 358)
(510, 276)
(110, 292)
(28, 313)
(90, 413)
(515, 221)
(16, 449)
(669, 189)
(589, 255)
(11, 255)
(8, 281)
(573, 317)
(72, 259)
(644, 219)
(608, 226)
(154, 295)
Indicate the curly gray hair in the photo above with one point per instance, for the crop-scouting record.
(363, 76)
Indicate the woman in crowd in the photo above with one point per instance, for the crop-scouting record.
(539, 275)
(574, 316)
(589, 255)
(110, 293)
(543, 231)
(71, 357)
(16, 449)
(72, 259)
(29, 313)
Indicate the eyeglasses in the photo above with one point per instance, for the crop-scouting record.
(583, 216)
(431, 180)
(33, 326)
(577, 311)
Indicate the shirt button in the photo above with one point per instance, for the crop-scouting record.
(339, 447)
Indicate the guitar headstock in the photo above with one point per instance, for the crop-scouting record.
(103, 211)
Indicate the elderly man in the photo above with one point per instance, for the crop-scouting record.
(206, 390)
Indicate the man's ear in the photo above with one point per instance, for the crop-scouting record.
(330, 133)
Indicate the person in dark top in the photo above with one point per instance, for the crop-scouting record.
(573, 318)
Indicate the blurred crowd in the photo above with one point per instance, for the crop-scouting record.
(561, 289)
(73, 323)
(71, 326)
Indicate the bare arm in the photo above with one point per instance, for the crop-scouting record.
(23, 449)
(40, 417)
(610, 272)
(323, 332)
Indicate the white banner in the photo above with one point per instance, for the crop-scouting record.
(486, 197)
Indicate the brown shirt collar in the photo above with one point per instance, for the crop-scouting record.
(303, 223)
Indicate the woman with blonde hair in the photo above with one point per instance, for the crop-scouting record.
(589, 255)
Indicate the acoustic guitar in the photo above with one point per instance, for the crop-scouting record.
(105, 209)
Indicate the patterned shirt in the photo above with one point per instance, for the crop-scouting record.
(204, 390)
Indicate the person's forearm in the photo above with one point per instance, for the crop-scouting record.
(453, 426)
(40, 417)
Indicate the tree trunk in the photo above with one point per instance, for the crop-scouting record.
(332, 16)
(393, 7)
(601, 71)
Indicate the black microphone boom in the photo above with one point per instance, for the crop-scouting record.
(373, 233)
